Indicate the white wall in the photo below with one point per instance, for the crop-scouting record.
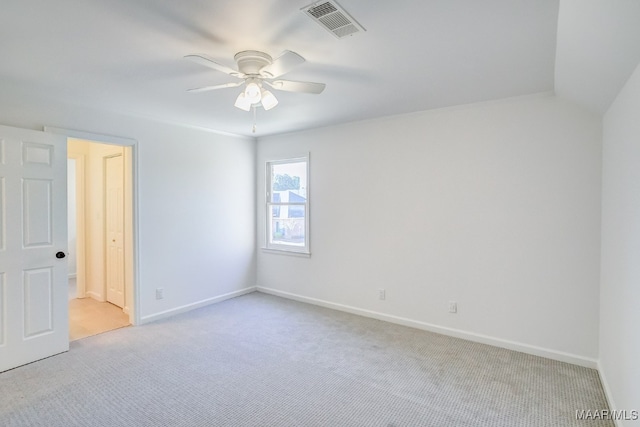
(494, 205)
(196, 200)
(620, 282)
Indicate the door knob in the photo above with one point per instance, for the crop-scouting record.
(60, 255)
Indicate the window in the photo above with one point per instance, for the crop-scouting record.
(287, 220)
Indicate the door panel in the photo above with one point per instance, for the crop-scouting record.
(114, 207)
(33, 216)
(37, 154)
(36, 211)
(38, 301)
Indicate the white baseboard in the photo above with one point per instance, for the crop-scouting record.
(193, 306)
(607, 392)
(457, 333)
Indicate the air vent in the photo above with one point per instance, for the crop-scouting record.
(333, 18)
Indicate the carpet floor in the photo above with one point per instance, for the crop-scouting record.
(260, 360)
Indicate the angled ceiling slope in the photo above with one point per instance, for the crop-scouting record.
(598, 49)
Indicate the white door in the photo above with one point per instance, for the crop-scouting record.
(114, 207)
(33, 234)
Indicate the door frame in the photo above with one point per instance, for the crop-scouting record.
(80, 224)
(131, 217)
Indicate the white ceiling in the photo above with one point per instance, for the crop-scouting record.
(598, 49)
(127, 56)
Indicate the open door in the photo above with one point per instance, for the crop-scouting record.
(33, 243)
(114, 224)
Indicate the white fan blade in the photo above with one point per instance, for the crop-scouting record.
(208, 62)
(291, 86)
(282, 64)
(222, 86)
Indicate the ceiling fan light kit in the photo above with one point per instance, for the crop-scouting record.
(268, 100)
(254, 96)
(242, 102)
(256, 68)
(252, 92)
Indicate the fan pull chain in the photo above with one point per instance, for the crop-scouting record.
(254, 119)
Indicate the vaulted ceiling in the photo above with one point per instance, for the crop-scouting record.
(127, 56)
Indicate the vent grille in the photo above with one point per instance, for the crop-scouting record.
(323, 9)
(333, 18)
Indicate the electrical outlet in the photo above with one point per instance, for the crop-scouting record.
(453, 307)
(382, 294)
(159, 293)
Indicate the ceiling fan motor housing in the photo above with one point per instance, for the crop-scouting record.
(252, 61)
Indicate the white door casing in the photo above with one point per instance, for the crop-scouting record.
(33, 229)
(80, 231)
(114, 222)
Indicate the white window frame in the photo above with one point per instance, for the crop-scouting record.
(283, 247)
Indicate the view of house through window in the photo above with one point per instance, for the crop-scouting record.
(287, 205)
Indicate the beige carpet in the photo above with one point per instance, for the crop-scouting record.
(89, 317)
(259, 360)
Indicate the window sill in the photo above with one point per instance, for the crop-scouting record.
(285, 252)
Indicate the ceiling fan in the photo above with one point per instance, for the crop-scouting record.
(255, 69)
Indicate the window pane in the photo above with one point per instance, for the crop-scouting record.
(289, 182)
(287, 221)
(287, 225)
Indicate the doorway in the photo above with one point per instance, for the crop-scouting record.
(100, 205)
